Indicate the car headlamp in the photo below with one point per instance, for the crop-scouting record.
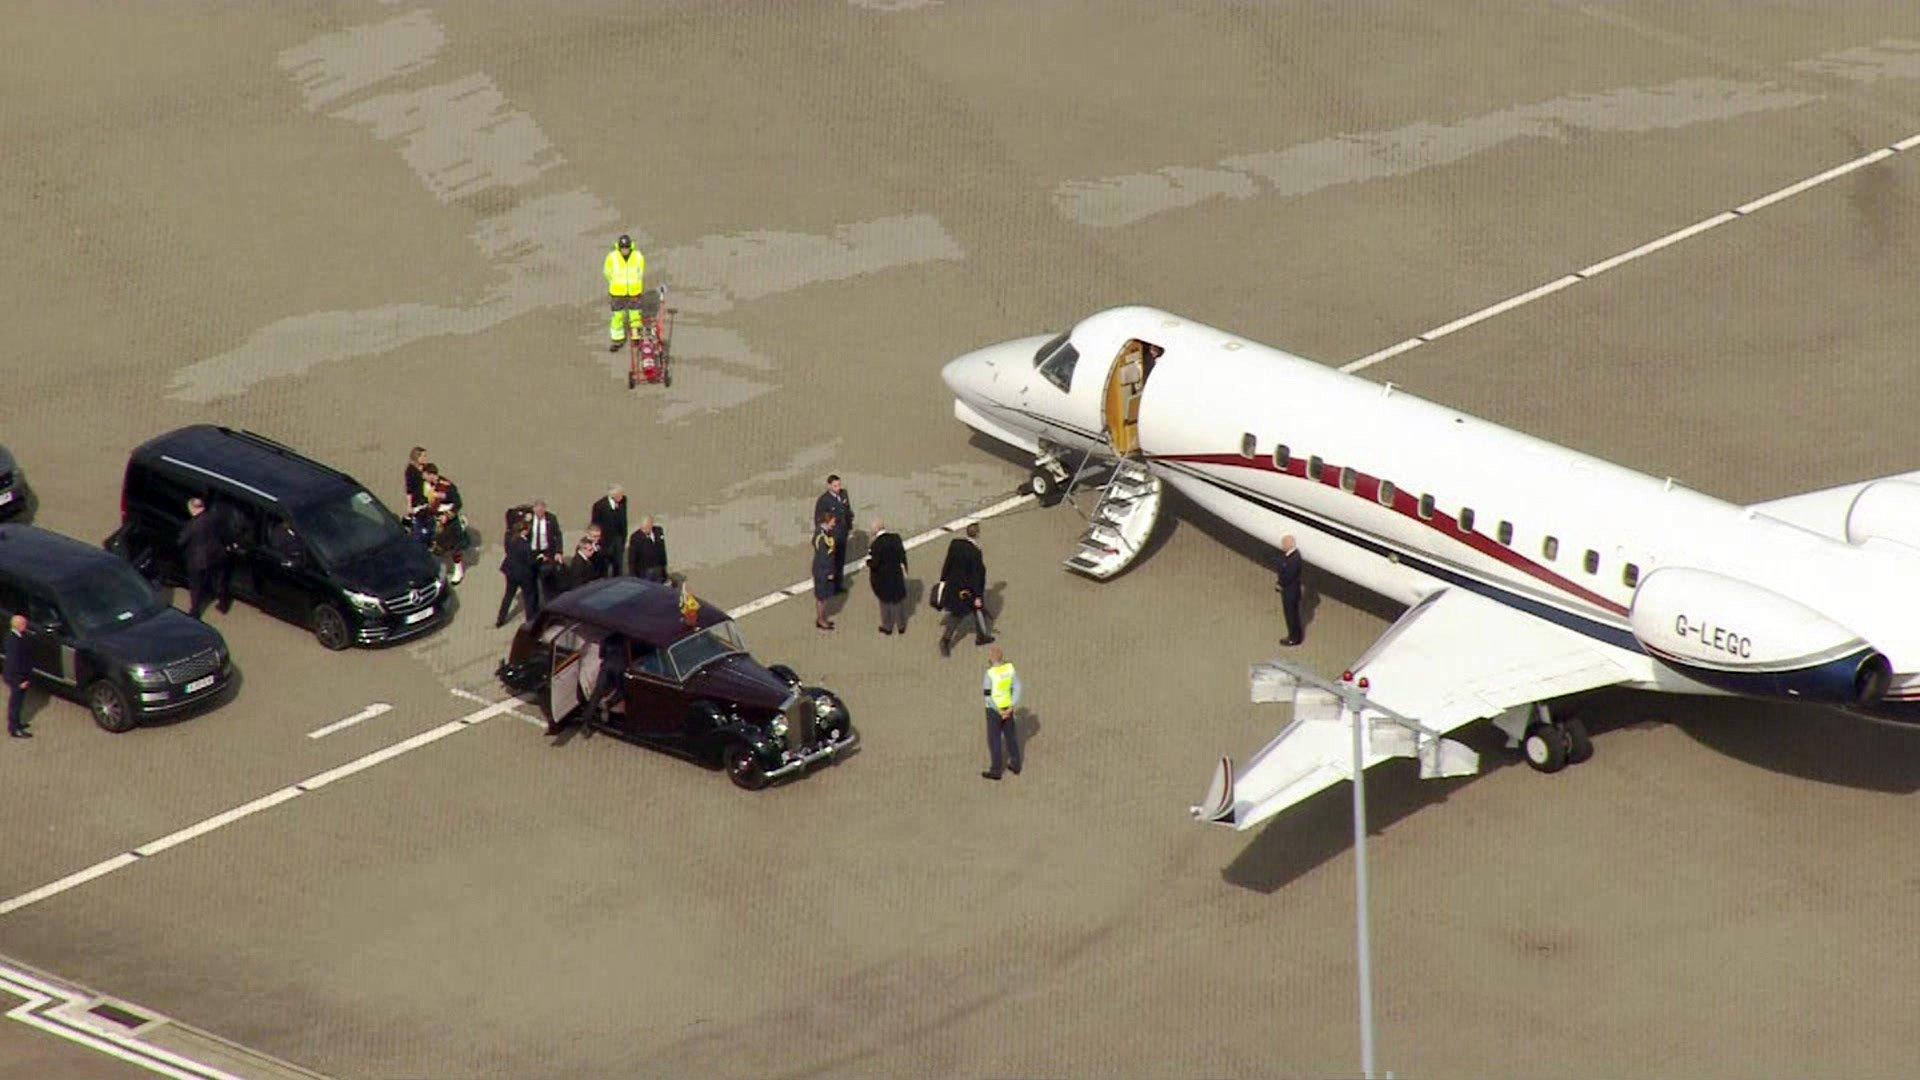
(779, 727)
(147, 675)
(823, 706)
(364, 601)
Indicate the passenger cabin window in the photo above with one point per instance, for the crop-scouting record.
(1426, 508)
(1505, 533)
(1550, 547)
(1466, 519)
(1593, 561)
(1386, 493)
(1630, 575)
(1055, 360)
(1282, 460)
(1246, 446)
(1348, 479)
(1316, 469)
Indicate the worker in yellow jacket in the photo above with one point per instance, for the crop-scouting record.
(626, 272)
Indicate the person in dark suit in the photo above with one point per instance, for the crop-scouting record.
(963, 579)
(837, 502)
(415, 479)
(1288, 586)
(518, 569)
(647, 552)
(543, 535)
(824, 548)
(610, 514)
(614, 655)
(203, 547)
(887, 573)
(14, 673)
(584, 566)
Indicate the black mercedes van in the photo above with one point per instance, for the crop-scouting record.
(98, 633)
(312, 545)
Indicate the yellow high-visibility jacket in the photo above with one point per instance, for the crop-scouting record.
(625, 277)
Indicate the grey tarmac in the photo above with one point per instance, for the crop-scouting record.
(358, 227)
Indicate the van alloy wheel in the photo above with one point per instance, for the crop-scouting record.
(330, 628)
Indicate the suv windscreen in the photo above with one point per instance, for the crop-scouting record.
(342, 530)
(1055, 361)
(106, 596)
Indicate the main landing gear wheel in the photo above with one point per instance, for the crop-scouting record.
(1044, 487)
(1548, 747)
(1579, 745)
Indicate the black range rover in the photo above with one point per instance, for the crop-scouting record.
(98, 633)
(313, 546)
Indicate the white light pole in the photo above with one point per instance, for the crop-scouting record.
(1364, 957)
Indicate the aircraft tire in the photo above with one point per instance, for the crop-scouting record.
(1579, 743)
(1546, 747)
(1045, 489)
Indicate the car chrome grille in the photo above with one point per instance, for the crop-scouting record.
(402, 603)
(193, 667)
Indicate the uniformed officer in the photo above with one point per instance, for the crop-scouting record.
(1288, 586)
(1001, 689)
(626, 271)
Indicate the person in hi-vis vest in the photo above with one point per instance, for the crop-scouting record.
(626, 273)
(1001, 688)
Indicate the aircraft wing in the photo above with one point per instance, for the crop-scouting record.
(1824, 511)
(1453, 658)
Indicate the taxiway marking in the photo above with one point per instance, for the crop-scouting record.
(1648, 248)
(368, 713)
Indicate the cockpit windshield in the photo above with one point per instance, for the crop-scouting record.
(1055, 361)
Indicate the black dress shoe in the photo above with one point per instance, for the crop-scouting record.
(988, 640)
(615, 347)
(990, 775)
(1014, 769)
(886, 629)
(1290, 642)
(21, 734)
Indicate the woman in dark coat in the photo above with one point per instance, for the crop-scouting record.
(887, 570)
(823, 584)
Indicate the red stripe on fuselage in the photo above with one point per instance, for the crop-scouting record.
(1407, 506)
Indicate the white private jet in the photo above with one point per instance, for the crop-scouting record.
(1530, 571)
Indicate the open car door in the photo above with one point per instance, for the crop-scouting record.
(568, 645)
(1451, 659)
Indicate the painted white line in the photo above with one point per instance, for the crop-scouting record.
(368, 713)
(1624, 257)
(43, 1002)
(368, 761)
(1815, 181)
(471, 696)
(1508, 304)
(99, 869)
(155, 847)
(1652, 246)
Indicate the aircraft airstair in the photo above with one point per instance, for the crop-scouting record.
(1121, 522)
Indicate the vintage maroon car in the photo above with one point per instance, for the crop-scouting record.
(689, 688)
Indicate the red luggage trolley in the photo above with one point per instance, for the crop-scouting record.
(648, 349)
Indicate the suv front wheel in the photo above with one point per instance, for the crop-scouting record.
(110, 708)
(330, 627)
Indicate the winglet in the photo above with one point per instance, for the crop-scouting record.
(1217, 807)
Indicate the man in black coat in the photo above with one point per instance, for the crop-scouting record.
(963, 578)
(583, 567)
(887, 573)
(518, 569)
(647, 552)
(13, 671)
(1288, 586)
(835, 501)
(610, 514)
(203, 547)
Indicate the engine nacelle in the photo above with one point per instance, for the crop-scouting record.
(1885, 510)
(1745, 639)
